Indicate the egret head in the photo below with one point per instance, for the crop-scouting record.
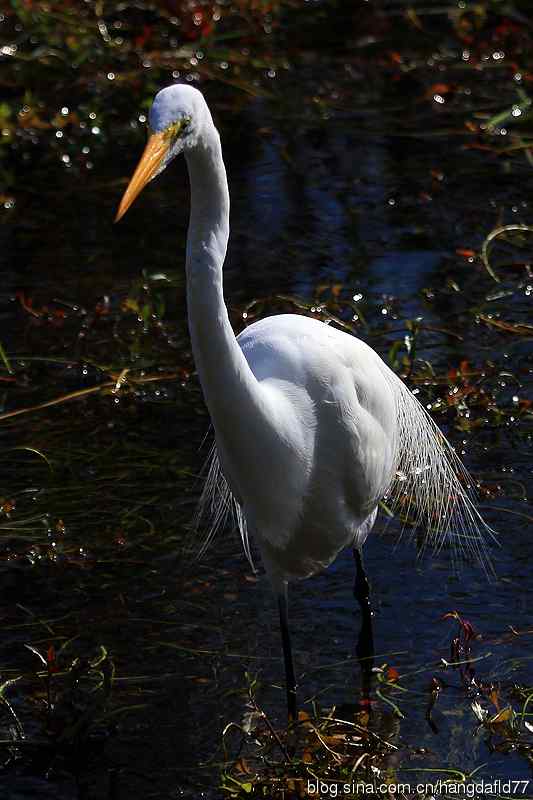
(176, 119)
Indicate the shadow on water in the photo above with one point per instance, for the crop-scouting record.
(337, 201)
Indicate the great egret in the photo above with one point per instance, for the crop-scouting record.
(312, 429)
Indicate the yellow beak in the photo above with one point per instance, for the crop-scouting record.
(154, 153)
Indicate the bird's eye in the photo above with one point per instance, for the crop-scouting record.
(177, 129)
(183, 126)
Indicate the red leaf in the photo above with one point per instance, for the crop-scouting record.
(392, 674)
(141, 40)
(51, 659)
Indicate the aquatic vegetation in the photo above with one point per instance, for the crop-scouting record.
(357, 751)
(101, 415)
(54, 714)
(74, 74)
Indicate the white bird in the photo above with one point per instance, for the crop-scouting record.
(312, 428)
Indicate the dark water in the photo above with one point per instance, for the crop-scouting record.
(351, 199)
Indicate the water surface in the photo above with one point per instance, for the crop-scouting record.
(374, 198)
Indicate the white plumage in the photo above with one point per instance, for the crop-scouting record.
(312, 428)
(350, 433)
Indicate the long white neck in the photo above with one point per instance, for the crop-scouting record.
(229, 386)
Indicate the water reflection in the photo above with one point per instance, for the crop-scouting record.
(310, 206)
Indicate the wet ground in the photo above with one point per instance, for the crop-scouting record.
(353, 187)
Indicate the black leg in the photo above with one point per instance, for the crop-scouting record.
(290, 680)
(365, 642)
(361, 587)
